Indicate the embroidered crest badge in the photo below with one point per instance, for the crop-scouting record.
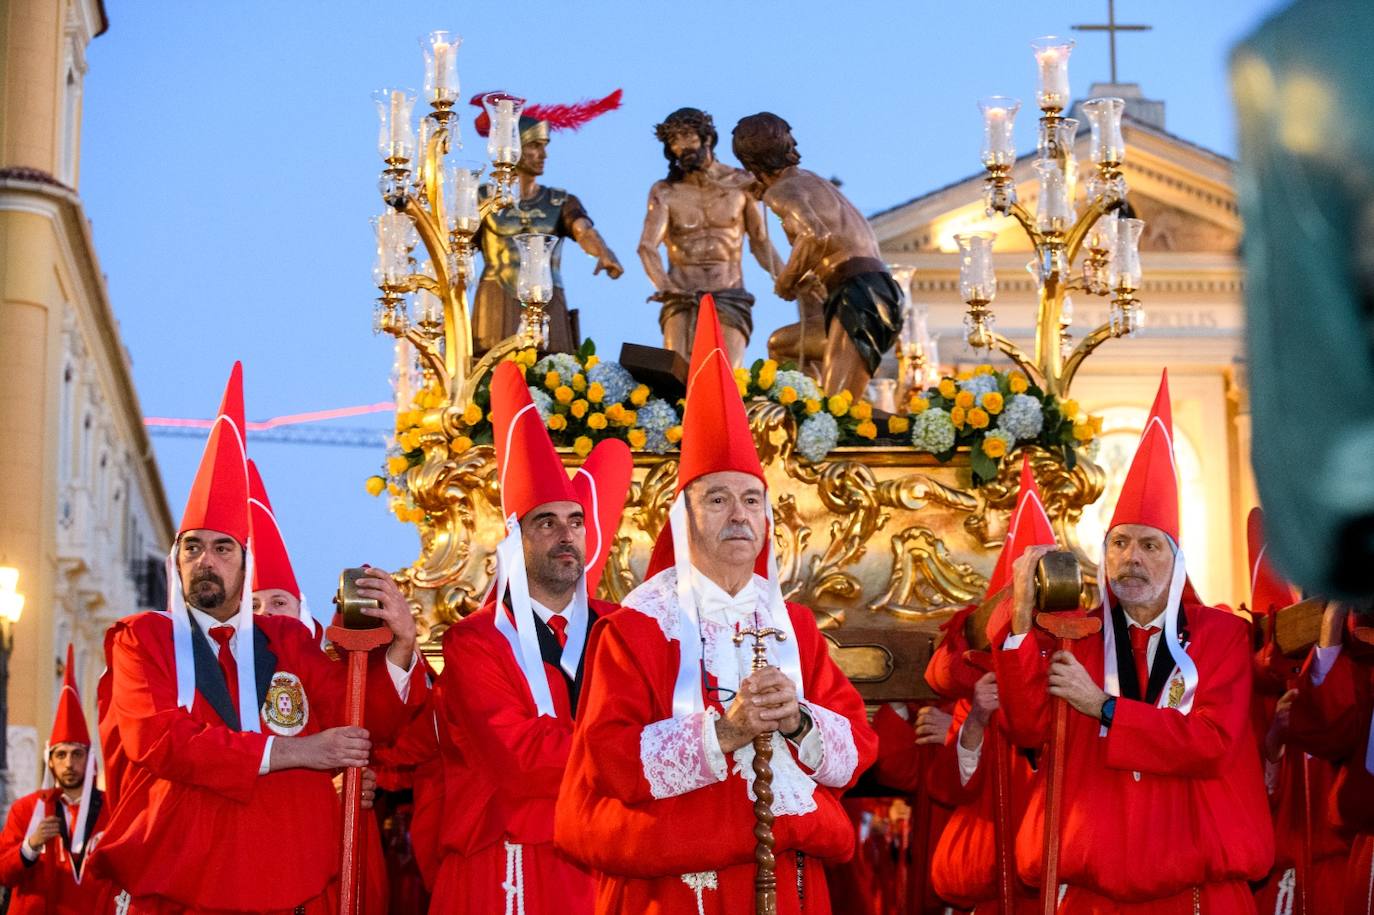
(286, 709)
(1176, 692)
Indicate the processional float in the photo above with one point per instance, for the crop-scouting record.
(884, 534)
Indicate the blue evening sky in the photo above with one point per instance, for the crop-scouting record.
(229, 167)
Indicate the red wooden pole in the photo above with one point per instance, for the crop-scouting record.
(1001, 797)
(356, 643)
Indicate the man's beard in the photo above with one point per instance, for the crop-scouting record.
(1132, 585)
(693, 160)
(69, 780)
(553, 573)
(209, 598)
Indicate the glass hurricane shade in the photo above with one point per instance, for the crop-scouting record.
(977, 279)
(503, 140)
(396, 138)
(1052, 63)
(534, 282)
(441, 67)
(999, 119)
(1104, 117)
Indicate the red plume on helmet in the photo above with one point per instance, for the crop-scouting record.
(558, 117)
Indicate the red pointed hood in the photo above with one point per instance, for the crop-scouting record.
(1268, 589)
(219, 495)
(1149, 495)
(715, 429)
(1029, 526)
(601, 483)
(531, 473)
(69, 724)
(271, 562)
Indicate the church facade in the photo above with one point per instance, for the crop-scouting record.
(1194, 325)
(83, 515)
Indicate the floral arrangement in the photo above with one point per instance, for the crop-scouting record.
(991, 413)
(584, 400)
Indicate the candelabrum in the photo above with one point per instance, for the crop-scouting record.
(1107, 241)
(433, 201)
(918, 358)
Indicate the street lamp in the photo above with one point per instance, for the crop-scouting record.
(11, 608)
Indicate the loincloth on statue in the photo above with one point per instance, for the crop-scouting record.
(868, 303)
(734, 308)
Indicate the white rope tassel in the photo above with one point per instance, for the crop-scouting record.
(515, 879)
(122, 902)
(699, 882)
(1283, 899)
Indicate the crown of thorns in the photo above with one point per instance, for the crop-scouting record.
(693, 119)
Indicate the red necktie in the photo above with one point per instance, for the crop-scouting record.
(222, 635)
(1140, 647)
(559, 625)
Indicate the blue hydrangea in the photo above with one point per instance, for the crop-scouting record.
(819, 433)
(1022, 417)
(656, 417)
(614, 379)
(802, 383)
(933, 431)
(979, 385)
(542, 402)
(565, 364)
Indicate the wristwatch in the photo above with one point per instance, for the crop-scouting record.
(802, 727)
(1108, 711)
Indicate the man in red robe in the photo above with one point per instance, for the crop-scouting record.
(1308, 876)
(228, 725)
(51, 834)
(1330, 718)
(966, 868)
(658, 794)
(514, 669)
(1164, 809)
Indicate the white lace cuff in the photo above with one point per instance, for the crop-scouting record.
(839, 757)
(681, 754)
(968, 759)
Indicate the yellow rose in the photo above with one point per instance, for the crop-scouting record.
(1083, 432)
(742, 374)
(837, 406)
(579, 382)
(637, 438)
(673, 434)
(640, 395)
(965, 375)
(984, 369)
(393, 489)
(527, 357)
(1096, 423)
(558, 422)
(992, 402)
(994, 447)
(628, 417)
(787, 396)
(551, 380)
(956, 416)
(1018, 383)
(948, 388)
(591, 363)
(417, 515)
(866, 429)
(862, 411)
(409, 440)
(375, 485)
(964, 399)
(812, 405)
(1068, 408)
(615, 412)
(595, 392)
(918, 405)
(459, 445)
(472, 414)
(768, 374)
(896, 425)
(978, 418)
(563, 394)
(578, 409)
(596, 421)
(583, 446)
(396, 465)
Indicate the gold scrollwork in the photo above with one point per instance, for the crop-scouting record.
(925, 577)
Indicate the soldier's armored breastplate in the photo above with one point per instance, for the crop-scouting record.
(540, 214)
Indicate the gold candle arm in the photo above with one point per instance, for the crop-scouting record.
(1082, 351)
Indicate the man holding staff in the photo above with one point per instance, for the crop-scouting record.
(659, 791)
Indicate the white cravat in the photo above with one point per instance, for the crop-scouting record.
(716, 605)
